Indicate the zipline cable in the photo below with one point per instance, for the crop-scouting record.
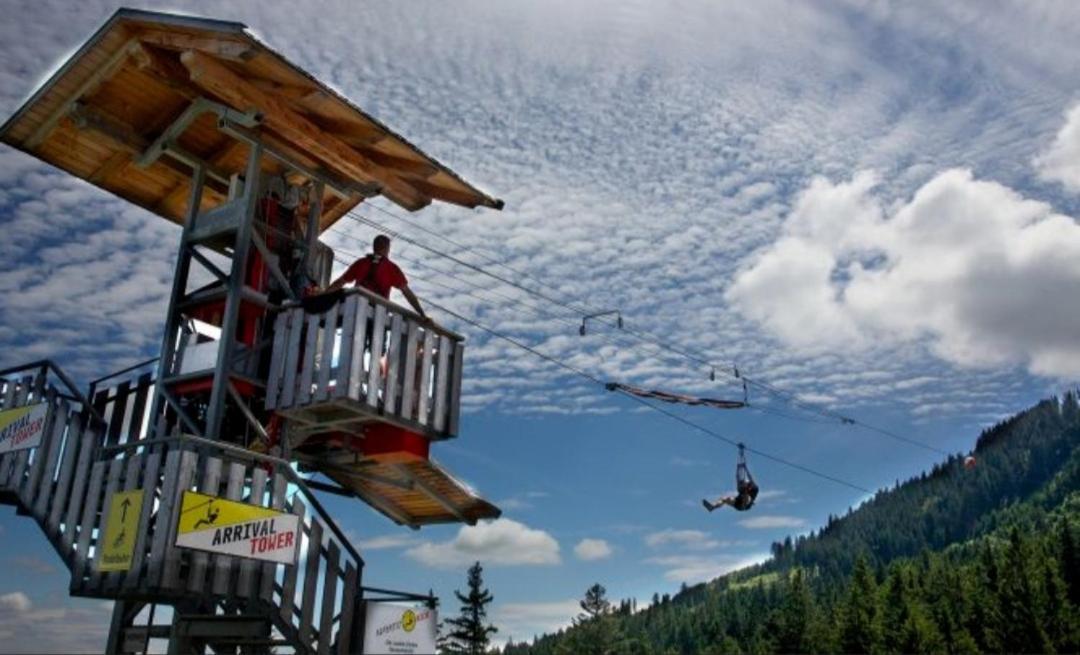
(786, 396)
(642, 401)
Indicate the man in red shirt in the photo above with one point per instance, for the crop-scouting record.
(378, 274)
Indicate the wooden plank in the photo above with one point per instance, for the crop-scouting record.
(360, 336)
(163, 519)
(72, 446)
(78, 487)
(329, 598)
(288, 585)
(245, 580)
(311, 582)
(100, 74)
(150, 475)
(326, 361)
(112, 485)
(425, 378)
(119, 410)
(223, 564)
(42, 494)
(22, 457)
(292, 361)
(348, 608)
(279, 485)
(211, 482)
(277, 360)
(87, 525)
(170, 573)
(303, 394)
(279, 117)
(442, 380)
(408, 373)
(455, 389)
(348, 327)
(139, 406)
(393, 366)
(9, 394)
(374, 379)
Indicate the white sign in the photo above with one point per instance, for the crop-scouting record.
(22, 427)
(399, 629)
(225, 526)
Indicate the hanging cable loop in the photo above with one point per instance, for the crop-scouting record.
(618, 320)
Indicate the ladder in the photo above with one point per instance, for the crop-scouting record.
(91, 451)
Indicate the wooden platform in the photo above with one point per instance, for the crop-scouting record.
(413, 493)
(364, 360)
(104, 117)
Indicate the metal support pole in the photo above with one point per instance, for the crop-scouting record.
(219, 392)
(179, 287)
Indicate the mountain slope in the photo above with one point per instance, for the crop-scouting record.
(981, 560)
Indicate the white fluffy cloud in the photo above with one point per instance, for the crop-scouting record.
(1060, 162)
(981, 271)
(14, 602)
(768, 522)
(592, 549)
(502, 542)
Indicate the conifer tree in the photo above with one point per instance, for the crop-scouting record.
(861, 621)
(469, 634)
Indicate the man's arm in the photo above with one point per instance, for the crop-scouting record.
(414, 301)
(348, 276)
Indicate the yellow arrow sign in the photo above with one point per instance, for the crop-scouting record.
(121, 526)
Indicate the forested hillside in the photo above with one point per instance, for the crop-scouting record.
(980, 560)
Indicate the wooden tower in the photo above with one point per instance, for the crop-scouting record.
(200, 123)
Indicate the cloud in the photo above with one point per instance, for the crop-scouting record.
(700, 568)
(521, 621)
(689, 539)
(592, 549)
(1060, 162)
(14, 602)
(386, 541)
(964, 263)
(502, 542)
(767, 522)
(32, 563)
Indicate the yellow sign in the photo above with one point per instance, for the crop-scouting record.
(229, 527)
(121, 526)
(22, 427)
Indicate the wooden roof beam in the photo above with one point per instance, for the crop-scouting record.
(103, 73)
(434, 495)
(215, 78)
(230, 49)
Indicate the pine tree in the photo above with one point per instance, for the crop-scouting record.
(795, 616)
(1020, 601)
(596, 631)
(469, 634)
(861, 621)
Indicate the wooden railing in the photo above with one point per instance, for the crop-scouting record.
(365, 359)
(67, 482)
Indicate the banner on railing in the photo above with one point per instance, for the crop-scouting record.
(22, 427)
(393, 628)
(227, 527)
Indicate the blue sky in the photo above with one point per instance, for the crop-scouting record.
(869, 204)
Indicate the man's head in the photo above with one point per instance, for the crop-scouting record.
(381, 245)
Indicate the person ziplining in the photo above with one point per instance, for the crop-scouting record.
(745, 487)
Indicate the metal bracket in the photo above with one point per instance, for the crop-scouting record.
(166, 140)
(618, 321)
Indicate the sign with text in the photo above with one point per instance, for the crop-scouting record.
(121, 526)
(399, 629)
(228, 527)
(22, 427)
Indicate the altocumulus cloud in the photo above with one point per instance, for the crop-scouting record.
(502, 542)
(966, 263)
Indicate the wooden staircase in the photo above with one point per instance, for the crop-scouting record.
(221, 602)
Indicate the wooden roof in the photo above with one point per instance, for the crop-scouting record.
(141, 70)
(414, 493)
